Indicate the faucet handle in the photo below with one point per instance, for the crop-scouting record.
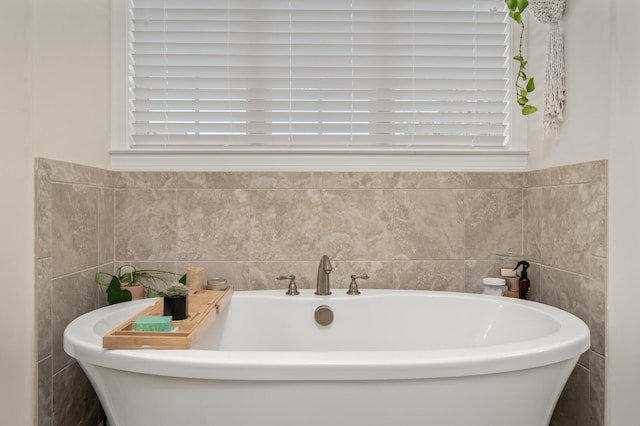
(353, 287)
(293, 288)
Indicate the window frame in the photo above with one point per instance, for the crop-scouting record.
(509, 158)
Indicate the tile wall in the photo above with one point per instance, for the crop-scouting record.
(74, 238)
(565, 237)
(437, 231)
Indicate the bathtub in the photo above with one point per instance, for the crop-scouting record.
(390, 357)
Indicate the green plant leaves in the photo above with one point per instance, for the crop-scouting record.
(516, 7)
(522, 5)
(115, 292)
(116, 284)
(531, 86)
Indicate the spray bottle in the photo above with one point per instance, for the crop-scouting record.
(523, 283)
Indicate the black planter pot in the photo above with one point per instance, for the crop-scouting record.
(176, 306)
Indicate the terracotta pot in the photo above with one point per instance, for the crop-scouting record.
(176, 306)
(136, 290)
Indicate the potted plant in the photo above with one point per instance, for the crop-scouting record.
(130, 283)
(176, 301)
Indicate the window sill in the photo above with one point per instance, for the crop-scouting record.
(319, 160)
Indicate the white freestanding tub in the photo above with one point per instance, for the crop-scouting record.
(390, 357)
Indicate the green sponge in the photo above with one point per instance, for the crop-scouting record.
(153, 324)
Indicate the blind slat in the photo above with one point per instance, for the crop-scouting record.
(234, 84)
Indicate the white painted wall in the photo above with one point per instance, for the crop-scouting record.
(70, 102)
(623, 369)
(16, 219)
(584, 136)
(54, 102)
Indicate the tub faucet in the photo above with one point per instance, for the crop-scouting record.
(324, 269)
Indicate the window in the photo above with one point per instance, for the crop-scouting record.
(358, 83)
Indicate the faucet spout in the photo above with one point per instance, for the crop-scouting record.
(324, 269)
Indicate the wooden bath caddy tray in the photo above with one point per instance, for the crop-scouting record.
(204, 306)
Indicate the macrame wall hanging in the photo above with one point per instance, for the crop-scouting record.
(550, 12)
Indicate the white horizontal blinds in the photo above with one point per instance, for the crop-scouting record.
(319, 73)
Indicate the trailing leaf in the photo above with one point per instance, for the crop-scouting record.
(522, 5)
(523, 84)
(531, 86)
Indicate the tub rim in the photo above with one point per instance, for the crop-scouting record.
(570, 340)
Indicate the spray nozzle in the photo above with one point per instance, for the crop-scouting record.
(525, 265)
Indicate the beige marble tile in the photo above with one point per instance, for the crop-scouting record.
(476, 270)
(583, 172)
(43, 212)
(63, 172)
(246, 180)
(43, 292)
(213, 180)
(74, 400)
(286, 224)
(430, 180)
(146, 180)
(430, 275)
(566, 226)
(493, 223)
(72, 296)
(358, 224)
(106, 225)
(533, 224)
(45, 393)
(504, 180)
(573, 406)
(597, 390)
(584, 359)
(262, 275)
(428, 224)
(169, 266)
(543, 177)
(567, 175)
(213, 224)
(598, 216)
(566, 291)
(74, 228)
(356, 180)
(380, 275)
(146, 224)
(284, 180)
(598, 304)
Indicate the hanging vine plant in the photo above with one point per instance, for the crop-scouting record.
(524, 83)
